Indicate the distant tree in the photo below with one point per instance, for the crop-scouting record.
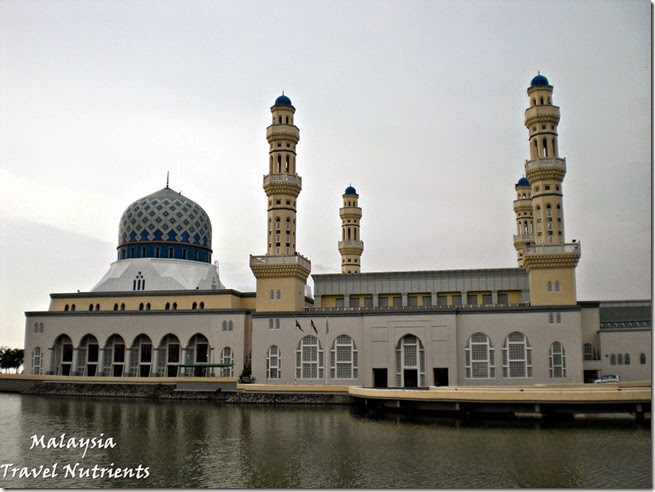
(11, 358)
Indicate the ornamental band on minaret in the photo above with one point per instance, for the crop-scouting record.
(540, 241)
(281, 274)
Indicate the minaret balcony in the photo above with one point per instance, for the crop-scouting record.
(552, 256)
(555, 162)
(266, 260)
(354, 246)
(283, 178)
(523, 238)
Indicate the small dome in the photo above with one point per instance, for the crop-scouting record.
(165, 224)
(523, 182)
(283, 101)
(539, 80)
(350, 190)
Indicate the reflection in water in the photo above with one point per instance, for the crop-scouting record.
(217, 445)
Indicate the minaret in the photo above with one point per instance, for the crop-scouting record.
(351, 246)
(282, 273)
(523, 210)
(548, 259)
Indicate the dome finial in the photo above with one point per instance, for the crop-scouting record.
(167, 173)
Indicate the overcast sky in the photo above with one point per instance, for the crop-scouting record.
(418, 104)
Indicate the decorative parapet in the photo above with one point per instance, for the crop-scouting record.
(552, 256)
(554, 162)
(289, 184)
(283, 265)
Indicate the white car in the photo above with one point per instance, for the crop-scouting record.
(611, 378)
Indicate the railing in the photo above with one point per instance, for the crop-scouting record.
(351, 244)
(546, 161)
(282, 178)
(523, 238)
(553, 249)
(281, 260)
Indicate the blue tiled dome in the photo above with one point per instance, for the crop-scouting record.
(165, 224)
(523, 182)
(350, 190)
(283, 101)
(539, 80)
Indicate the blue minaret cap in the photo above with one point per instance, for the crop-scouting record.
(283, 101)
(350, 190)
(539, 80)
(523, 182)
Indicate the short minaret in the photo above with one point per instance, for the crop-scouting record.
(523, 211)
(548, 259)
(351, 246)
(281, 273)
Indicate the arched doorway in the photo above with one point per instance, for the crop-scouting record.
(410, 362)
(141, 356)
(198, 352)
(87, 356)
(168, 356)
(114, 357)
(63, 355)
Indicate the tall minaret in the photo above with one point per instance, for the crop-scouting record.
(524, 223)
(351, 246)
(282, 273)
(548, 259)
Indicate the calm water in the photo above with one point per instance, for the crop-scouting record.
(213, 445)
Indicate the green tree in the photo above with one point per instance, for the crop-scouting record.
(11, 358)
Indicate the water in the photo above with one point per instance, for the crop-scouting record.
(217, 445)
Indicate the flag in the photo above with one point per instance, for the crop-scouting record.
(314, 326)
(327, 326)
(298, 326)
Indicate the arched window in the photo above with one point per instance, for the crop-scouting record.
(202, 305)
(115, 307)
(224, 326)
(410, 362)
(344, 360)
(557, 286)
(619, 359)
(549, 286)
(626, 359)
(227, 358)
(141, 357)
(66, 307)
(278, 294)
(122, 306)
(588, 351)
(557, 360)
(230, 326)
(194, 305)
(517, 356)
(272, 295)
(97, 307)
(36, 327)
(73, 307)
(90, 307)
(270, 324)
(480, 360)
(148, 307)
(642, 358)
(273, 363)
(558, 318)
(37, 359)
(613, 359)
(141, 307)
(40, 327)
(174, 306)
(551, 318)
(277, 324)
(309, 358)
(168, 306)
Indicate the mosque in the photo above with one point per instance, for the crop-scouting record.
(161, 310)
